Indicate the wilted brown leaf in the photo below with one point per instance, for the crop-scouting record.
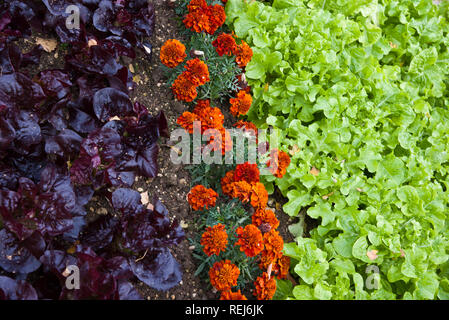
(47, 44)
(92, 42)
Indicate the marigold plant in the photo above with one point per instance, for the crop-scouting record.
(222, 141)
(198, 20)
(273, 245)
(225, 44)
(247, 126)
(183, 89)
(278, 163)
(186, 121)
(243, 54)
(259, 196)
(202, 17)
(247, 172)
(214, 240)
(241, 104)
(197, 4)
(241, 190)
(226, 183)
(279, 267)
(197, 72)
(229, 295)
(172, 53)
(250, 240)
(265, 287)
(265, 216)
(217, 18)
(200, 197)
(210, 117)
(223, 275)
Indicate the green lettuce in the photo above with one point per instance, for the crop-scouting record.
(361, 88)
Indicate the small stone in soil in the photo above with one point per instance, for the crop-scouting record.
(145, 199)
(172, 179)
(178, 107)
(184, 225)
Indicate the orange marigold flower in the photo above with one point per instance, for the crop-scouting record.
(243, 54)
(241, 104)
(186, 121)
(278, 163)
(183, 89)
(226, 183)
(265, 287)
(198, 20)
(223, 275)
(214, 240)
(247, 126)
(273, 244)
(172, 53)
(223, 141)
(279, 267)
(217, 18)
(259, 196)
(200, 197)
(211, 118)
(197, 72)
(202, 17)
(241, 190)
(250, 240)
(229, 295)
(282, 267)
(265, 216)
(196, 4)
(249, 129)
(224, 44)
(201, 105)
(247, 172)
(226, 137)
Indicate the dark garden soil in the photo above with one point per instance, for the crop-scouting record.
(172, 182)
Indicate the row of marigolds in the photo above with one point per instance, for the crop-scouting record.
(258, 240)
(240, 244)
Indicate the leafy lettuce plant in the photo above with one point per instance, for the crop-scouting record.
(359, 91)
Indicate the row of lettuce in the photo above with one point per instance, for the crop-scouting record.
(359, 91)
(238, 248)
